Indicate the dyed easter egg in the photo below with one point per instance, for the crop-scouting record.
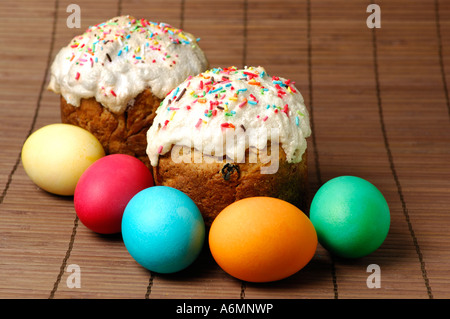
(262, 239)
(105, 188)
(351, 216)
(162, 229)
(55, 156)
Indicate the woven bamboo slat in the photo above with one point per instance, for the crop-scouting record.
(379, 106)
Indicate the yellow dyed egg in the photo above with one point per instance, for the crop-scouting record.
(262, 239)
(56, 155)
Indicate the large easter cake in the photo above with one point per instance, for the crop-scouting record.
(113, 77)
(228, 134)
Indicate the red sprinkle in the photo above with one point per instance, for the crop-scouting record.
(113, 93)
(227, 125)
(77, 76)
(251, 75)
(286, 110)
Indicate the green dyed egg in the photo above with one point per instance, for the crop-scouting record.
(351, 217)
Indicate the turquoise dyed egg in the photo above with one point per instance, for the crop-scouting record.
(162, 229)
(351, 217)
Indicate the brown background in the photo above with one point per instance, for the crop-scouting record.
(379, 105)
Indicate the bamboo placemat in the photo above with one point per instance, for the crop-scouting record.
(379, 106)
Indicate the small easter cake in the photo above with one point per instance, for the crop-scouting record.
(112, 78)
(228, 134)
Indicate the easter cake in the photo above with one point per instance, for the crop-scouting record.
(228, 134)
(112, 78)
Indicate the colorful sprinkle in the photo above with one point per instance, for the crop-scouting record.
(181, 95)
(286, 109)
(199, 123)
(243, 103)
(227, 125)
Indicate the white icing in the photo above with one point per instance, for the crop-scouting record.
(142, 54)
(209, 112)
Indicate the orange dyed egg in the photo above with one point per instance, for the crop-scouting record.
(262, 239)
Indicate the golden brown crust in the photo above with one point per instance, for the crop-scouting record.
(118, 133)
(207, 184)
